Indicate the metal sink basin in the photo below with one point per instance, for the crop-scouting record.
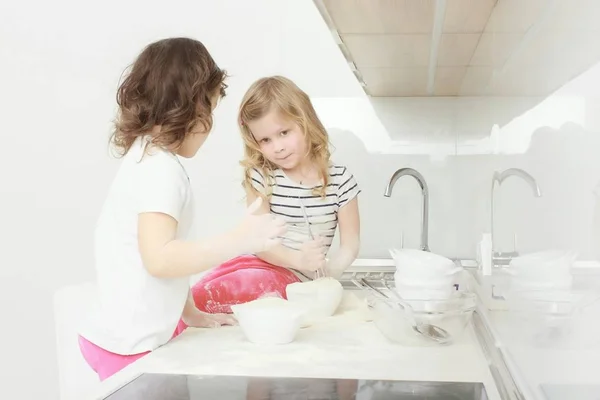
(191, 387)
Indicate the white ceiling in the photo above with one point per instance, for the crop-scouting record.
(465, 47)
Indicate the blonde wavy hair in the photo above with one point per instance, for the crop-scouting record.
(284, 96)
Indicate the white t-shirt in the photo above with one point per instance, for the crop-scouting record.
(137, 312)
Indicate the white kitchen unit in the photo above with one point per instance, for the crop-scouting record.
(555, 360)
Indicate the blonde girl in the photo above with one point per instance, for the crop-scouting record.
(287, 163)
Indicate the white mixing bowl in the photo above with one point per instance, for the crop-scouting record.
(270, 320)
(320, 298)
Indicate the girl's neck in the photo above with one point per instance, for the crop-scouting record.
(305, 173)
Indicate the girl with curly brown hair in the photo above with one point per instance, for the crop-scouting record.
(143, 257)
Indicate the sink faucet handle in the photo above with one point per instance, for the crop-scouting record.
(515, 242)
(402, 239)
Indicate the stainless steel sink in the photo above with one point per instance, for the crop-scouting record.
(191, 387)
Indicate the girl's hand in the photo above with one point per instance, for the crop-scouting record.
(334, 272)
(258, 231)
(312, 255)
(201, 319)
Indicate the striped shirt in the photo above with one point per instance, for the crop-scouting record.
(288, 195)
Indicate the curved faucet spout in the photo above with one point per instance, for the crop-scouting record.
(425, 192)
(501, 177)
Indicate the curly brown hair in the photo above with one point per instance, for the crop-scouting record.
(171, 84)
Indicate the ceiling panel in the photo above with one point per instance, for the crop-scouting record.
(381, 16)
(467, 16)
(559, 50)
(575, 15)
(515, 16)
(456, 49)
(476, 80)
(535, 84)
(448, 80)
(479, 47)
(388, 50)
(395, 82)
(495, 48)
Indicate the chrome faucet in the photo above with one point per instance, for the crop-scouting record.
(424, 190)
(504, 258)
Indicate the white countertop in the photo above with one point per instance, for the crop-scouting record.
(532, 367)
(344, 346)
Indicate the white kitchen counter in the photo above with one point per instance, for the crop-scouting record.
(533, 367)
(343, 346)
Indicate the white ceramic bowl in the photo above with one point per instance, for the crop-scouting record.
(553, 282)
(416, 258)
(544, 263)
(434, 286)
(542, 270)
(424, 293)
(422, 264)
(429, 281)
(269, 320)
(320, 298)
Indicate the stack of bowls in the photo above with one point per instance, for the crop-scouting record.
(422, 275)
(545, 270)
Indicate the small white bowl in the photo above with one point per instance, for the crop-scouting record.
(431, 281)
(541, 283)
(434, 287)
(425, 293)
(418, 260)
(269, 320)
(320, 298)
(543, 263)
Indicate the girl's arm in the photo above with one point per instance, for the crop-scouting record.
(309, 258)
(166, 257)
(349, 228)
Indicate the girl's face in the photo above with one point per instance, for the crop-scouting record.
(281, 141)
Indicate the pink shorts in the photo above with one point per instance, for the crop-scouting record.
(105, 363)
(240, 280)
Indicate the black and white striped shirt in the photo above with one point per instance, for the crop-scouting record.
(287, 196)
